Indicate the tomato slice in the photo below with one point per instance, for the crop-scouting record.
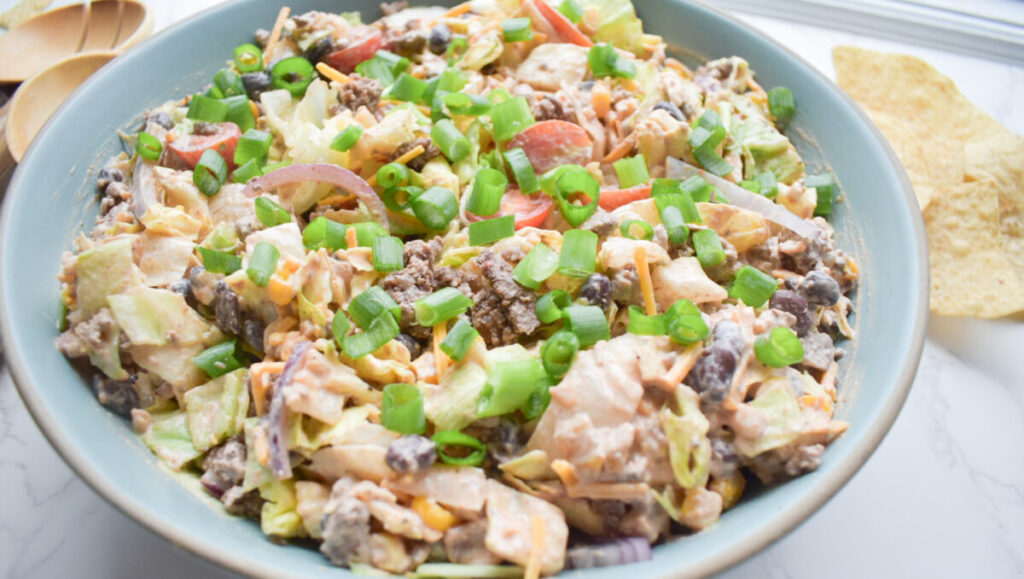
(347, 58)
(550, 144)
(223, 140)
(530, 210)
(562, 25)
(614, 198)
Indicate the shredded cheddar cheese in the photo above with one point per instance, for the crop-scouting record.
(332, 73)
(275, 34)
(644, 271)
(351, 239)
(441, 359)
(537, 532)
(259, 383)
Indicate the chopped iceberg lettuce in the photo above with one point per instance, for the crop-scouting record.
(764, 148)
(105, 270)
(169, 439)
(452, 404)
(155, 317)
(278, 517)
(619, 24)
(783, 418)
(217, 410)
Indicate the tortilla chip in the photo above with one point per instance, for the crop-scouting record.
(968, 175)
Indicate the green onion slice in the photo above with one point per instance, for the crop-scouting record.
(347, 138)
(579, 253)
(239, 112)
(572, 10)
(636, 229)
(220, 261)
(206, 109)
(388, 254)
(781, 104)
(516, 29)
(263, 263)
(699, 189)
(339, 327)
(248, 58)
(558, 352)
(401, 409)
(588, 323)
(488, 231)
(210, 172)
(752, 286)
(466, 104)
(632, 171)
(536, 267)
(269, 213)
(399, 198)
(324, 232)
(382, 330)
(708, 247)
(248, 170)
(392, 175)
(454, 438)
(149, 147)
(509, 385)
(450, 141)
(253, 144)
(674, 223)
(574, 182)
(435, 207)
(441, 306)
(485, 197)
(769, 184)
(219, 360)
(552, 305)
(371, 304)
(293, 74)
(229, 83)
(406, 88)
(510, 117)
(779, 348)
(605, 61)
(521, 168)
(459, 340)
(458, 46)
(825, 185)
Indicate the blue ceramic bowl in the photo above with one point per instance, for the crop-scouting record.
(51, 198)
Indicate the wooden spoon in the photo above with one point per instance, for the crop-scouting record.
(39, 97)
(55, 35)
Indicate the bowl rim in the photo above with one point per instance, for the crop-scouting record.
(776, 528)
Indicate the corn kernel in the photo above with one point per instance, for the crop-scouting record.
(730, 488)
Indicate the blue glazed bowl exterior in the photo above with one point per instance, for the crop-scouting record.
(51, 199)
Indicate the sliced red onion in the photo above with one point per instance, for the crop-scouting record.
(143, 187)
(620, 552)
(744, 199)
(324, 173)
(280, 463)
(212, 485)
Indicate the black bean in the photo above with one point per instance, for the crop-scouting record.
(204, 128)
(252, 333)
(411, 43)
(414, 347)
(107, 176)
(724, 460)
(161, 119)
(506, 441)
(671, 109)
(791, 302)
(596, 291)
(440, 38)
(410, 454)
(119, 396)
(227, 309)
(319, 49)
(346, 530)
(255, 83)
(181, 286)
(820, 289)
(712, 374)
(728, 335)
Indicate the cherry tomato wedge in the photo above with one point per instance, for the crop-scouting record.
(530, 210)
(562, 25)
(550, 144)
(614, 198)
(223, 139)
(347, 58)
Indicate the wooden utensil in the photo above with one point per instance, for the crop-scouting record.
(40, 96)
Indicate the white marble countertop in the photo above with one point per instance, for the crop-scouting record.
(943, 496)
